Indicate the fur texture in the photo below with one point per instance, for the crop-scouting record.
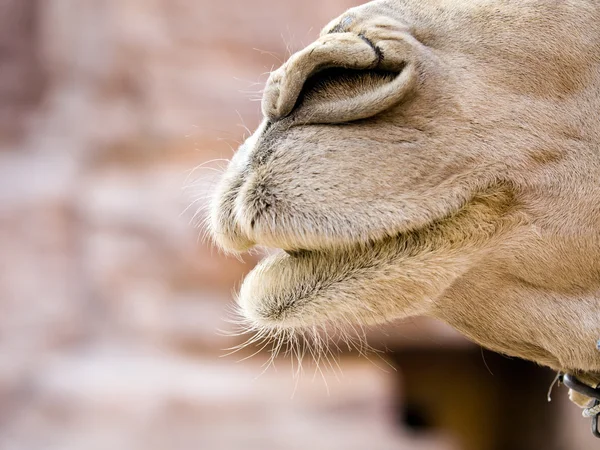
(436, 158)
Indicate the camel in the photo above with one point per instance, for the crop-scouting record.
(437, 158)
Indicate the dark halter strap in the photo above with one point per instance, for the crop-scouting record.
(576, 385)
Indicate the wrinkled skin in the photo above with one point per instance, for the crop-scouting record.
(436, 158)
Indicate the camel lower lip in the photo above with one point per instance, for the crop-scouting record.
(287, 287)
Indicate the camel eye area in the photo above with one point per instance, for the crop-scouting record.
(339, 84)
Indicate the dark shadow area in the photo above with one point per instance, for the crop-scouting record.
(485, 400)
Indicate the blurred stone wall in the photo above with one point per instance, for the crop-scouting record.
(110, 300)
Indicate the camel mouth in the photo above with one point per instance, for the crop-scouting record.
(359, 283)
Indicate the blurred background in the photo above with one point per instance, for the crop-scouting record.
(110, 301)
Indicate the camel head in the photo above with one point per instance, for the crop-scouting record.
(436, 158)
